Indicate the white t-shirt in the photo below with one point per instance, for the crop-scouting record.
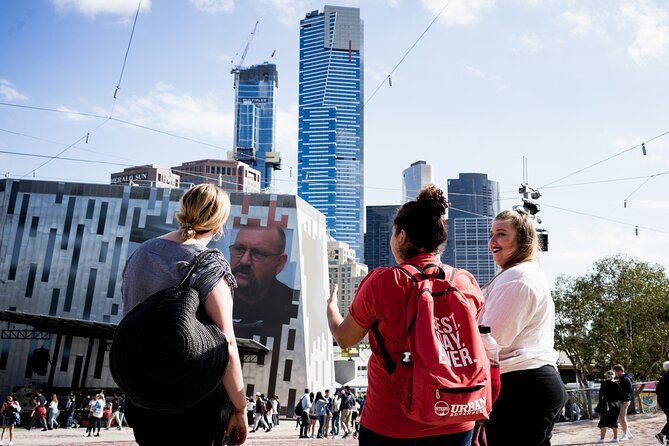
(520, 311)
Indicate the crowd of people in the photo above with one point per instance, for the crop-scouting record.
(326, 415)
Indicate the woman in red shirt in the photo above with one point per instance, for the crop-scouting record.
(419, 231)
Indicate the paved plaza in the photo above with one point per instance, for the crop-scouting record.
(644, 427)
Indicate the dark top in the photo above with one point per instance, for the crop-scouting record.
(662, 391)
(609, 392)
(626, 387)
(265, 317)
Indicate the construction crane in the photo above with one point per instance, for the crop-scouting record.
(236, 67)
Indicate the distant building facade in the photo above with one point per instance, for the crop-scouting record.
(345, 271)
(63, 247)
(379, 225)
(255, 115)
(230, 175)
(330, 134)
(415, 178)
(147, 175)
(474, 202)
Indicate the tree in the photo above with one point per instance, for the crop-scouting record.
(618, 313)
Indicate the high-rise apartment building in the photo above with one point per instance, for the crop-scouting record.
(330, 146)
(474, 202)
(255, 113)
(345, 271)
(377, 236)
(230, 175)
(415, 178)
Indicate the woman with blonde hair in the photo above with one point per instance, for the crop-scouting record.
(161, 263)
(520, 312)
(608, 407)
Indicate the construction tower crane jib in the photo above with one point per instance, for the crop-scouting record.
(237, 66)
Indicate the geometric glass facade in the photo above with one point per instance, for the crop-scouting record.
(415, 178)
(377, 236)
(474, 202)
(330, 135)
(255, 113)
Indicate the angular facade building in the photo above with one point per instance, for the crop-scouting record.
(229, 175)
(377, 236)
(63, 247)
(415, 178)
(255, 114)
(330, 146)
(474, 202)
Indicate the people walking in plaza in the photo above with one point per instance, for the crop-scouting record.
(305, 403)
(276, 407)
(336, 411)
(115, 414)
(38, 413)
(69, 410)
(10, 416)
(313, 418)
(418, 234)
(53, 412)
(321, 405)
(328, 413)
(627, 388)
(347, 404)
(267, 411)
(161, 263)
(96, 408)
(520, 312)
(662, 392)
(608, 407)
(258, 417)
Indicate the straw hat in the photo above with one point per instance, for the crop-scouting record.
(167, 356)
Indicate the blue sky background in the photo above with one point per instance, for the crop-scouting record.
(566, 84)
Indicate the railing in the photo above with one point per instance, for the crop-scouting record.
(581, 403)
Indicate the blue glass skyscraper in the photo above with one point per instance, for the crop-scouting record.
(330, 147)
(255, 113)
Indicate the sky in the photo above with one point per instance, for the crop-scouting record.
(570, 89)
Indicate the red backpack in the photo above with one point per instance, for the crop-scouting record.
(443, 376)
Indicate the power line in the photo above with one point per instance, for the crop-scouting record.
(125, 59)
(63, 159)
(641, 145)
(605, 218)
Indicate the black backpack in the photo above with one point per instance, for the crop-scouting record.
(298, 408)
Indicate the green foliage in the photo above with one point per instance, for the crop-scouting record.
(617, 313)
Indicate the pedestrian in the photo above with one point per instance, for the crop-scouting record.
(321, 409)
(520, 312)
(10, 416)
(380, 306)
(276, 410)
(258, 414)
(69, 410)
(662, 392)
(336, 411)
(267, 411)
(347, 404)
(608, 407)
(161, 263)
(328, 413)
(627, 388)
(305, 403)
(96, 408)
(53, 412)
(313, 418)
(115, 414)
(38, 413)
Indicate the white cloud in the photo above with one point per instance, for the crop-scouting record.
(164, 108)
(92, 8)
(580, 22)
(527, 44)
(9, 93)
(651, 40)
(459, 12)
(494, 78)
(375, 75)
(214, 6)
(288, 12)
(74, 115)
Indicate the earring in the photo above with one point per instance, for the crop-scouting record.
(218, 234)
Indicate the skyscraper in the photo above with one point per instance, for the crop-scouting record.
(415, 178)
(377, 236)
(474, 202)
(254, 119)
(330, 147)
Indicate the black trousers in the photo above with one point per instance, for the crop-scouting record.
(210, 416)
(529, 403)
(665, 429)
(367, 437)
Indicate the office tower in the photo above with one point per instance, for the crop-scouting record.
(330, 146)
(415, 178)
(255, 113)
(377, 236)
(474, 202)
(148, 175)
(230, 175)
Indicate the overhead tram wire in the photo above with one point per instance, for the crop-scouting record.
(605, 218)
(81, 160)
(387, 78)
(640, 145)
(125, 59)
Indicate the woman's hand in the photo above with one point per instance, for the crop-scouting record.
(238, 422)
(333, 295)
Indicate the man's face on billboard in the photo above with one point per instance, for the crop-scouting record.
(256, 257)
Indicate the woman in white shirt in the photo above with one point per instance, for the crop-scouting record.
(521, 313)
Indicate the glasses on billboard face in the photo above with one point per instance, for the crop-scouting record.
(255, 254)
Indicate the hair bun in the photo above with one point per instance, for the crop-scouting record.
(431, 200)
